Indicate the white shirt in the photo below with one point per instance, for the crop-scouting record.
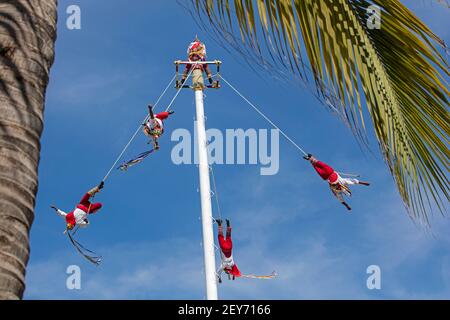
(227, 263)
(151, 123)
(79, 215)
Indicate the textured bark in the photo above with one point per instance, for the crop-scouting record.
(27, 38)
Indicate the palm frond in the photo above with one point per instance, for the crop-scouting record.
(396, 73)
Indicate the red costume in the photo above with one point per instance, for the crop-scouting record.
(87, 206)
(325, 171)
(79, 215)
(196, 52)
(338, 184)
(162, 116)
(226, 246)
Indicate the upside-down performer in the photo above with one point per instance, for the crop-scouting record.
(228, 265)
(78, 217)
(154, 127)
(339, 186)
(226, 247)
(197, 53)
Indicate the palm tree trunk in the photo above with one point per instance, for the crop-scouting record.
(27, 38)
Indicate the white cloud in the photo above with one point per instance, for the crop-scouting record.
(312, 263)
(90, 89)
(129, 271)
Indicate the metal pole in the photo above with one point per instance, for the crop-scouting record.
(205, 191)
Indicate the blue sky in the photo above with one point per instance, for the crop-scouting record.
(149, 231)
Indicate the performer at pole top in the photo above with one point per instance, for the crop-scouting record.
(196, 52)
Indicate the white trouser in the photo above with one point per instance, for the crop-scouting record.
(347, 181)
(343, 182)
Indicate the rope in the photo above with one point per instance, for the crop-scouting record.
(349, 174)
(74, 232)
(135, 134)
(177, 93)
(146, 118)
(91, 256)
(253, 276)
(86, 253)
(89, 209)
(216, 194)
(263, 115)
(76, 229)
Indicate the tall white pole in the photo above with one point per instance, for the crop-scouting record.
(205, 195)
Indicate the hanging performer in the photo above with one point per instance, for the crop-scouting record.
(226, 246)
(78, 217)
(154, 127)
(228, 266)
(197, 52)
(338, 184)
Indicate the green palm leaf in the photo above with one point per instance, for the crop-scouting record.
(397, 69)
